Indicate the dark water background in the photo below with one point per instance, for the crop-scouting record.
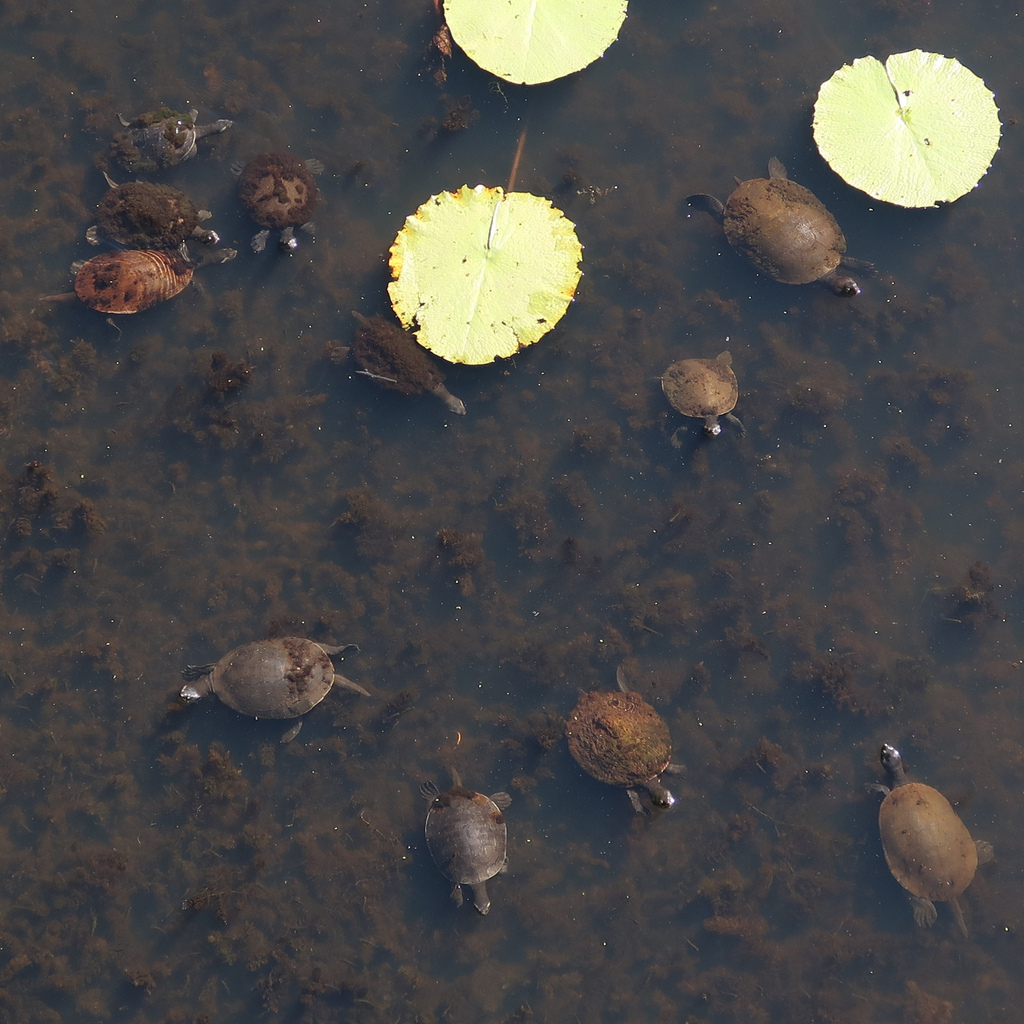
(850, 572)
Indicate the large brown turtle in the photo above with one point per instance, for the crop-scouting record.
(785, 231)
(620, 739)
(280, 194)
(280, 678)
(705, 389)
(162, 138)
(927, 847)
(467, 837)
(132, 280)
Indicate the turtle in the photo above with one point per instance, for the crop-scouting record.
(391, 356)
(162, 138)
(705, 389)
(145, 215)
(618, 738)
(133, 280)
(279, 192)
(467, 837)
(927, 847)
(280, 678)
(785, 231)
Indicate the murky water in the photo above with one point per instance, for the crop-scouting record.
(847, 573)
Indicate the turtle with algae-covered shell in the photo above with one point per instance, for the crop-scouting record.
(162, 138)
(392, 357)
(280, 194)
(146, 215)
(618, 738)
(927, 847)
(785, 230)
(705, 389)
(281, 678)
(467, 837)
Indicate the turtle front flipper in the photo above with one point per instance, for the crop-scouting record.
(925, 914)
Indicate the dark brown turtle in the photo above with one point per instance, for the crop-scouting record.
(785, 231)
(280, 678)
(280, 194)
(144, 215)
(133, 280)
(927, 847)
(467, 837)
(162, 138)
(392, 357)
(620, 739)
(705, 389)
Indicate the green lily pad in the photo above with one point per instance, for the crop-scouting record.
(481, 273)
(918, 130)
(533, 41)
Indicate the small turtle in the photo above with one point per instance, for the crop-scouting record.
(705, 389)
(785, 231)
(927, 847)
(280, 678)
(133, 280)
(144, 215)
(620, 739)
(391, 356)
(467, 837)
(279, 192)
(162, 138)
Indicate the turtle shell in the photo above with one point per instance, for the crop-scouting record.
(784, 229)
(144, 215)
(701, 387)
(131, 280)
(280, 678)
(161, 138)
(466, 835)
(927, 847)
(278, 190)
(618, 738)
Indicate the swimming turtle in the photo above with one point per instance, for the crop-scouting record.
(280, 678)
(927, 847)
(704, 388)
(279, 192)
(392, 357)
(145, 215)
(133, 280)
(162, 138)
(620, 739)
(785, 231)
(467, 837)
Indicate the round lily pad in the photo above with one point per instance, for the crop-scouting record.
(533, 41)
(481, 273)
(915, 131)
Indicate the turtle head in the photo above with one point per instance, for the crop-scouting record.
(842, 284)
(189, 693)
(892, 762)
(711, 426)
(659, 794)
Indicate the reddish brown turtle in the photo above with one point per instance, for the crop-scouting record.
(705, 389)
(280, 194)
(927, 847)
(280, 678)
(162, 138)
(467, 837)
(785, 231)
(618, 738)
(145, 215)
(132, 280)
(393, 358)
